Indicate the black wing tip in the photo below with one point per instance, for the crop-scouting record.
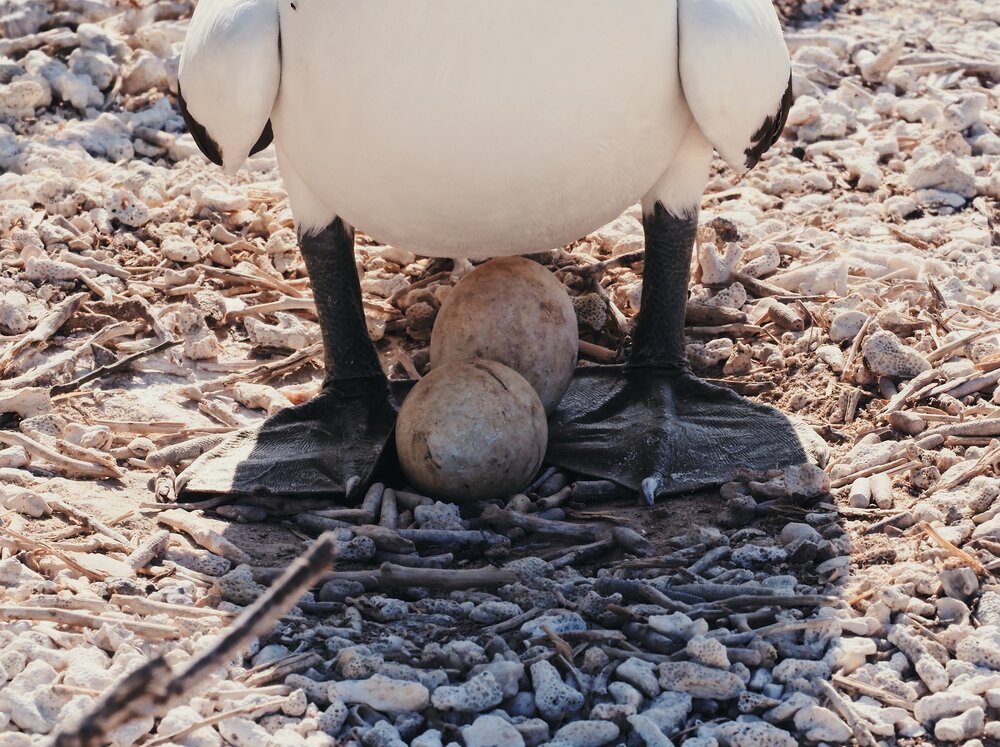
(206, 144)
(204, 141)
(770, 131)
(265, 139)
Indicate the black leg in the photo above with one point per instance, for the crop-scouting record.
(652, 425)
(658, 336)
(329, 258)
(330, 446)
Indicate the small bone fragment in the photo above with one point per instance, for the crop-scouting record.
(148, 550)
(27, 403)
(163, 486)
(881, 490)
(372, 503)
(44, 329)
(213, 541)
(155, 631)
(389, 517)
(66, 465)
(502, 519)
(633, 542)
(172, 456)
(784, 316)
(88, 521)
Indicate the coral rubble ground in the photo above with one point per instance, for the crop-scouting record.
(150, 305)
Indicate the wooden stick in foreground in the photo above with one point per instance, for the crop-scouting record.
(154, 687)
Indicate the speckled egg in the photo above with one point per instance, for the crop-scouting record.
(471, 430)
(513, 311)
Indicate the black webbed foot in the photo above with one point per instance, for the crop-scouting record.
(662, 431)
(329, 447)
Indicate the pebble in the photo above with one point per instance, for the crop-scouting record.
(822, 725)
(489, 731)
(959, 728)
(641, 674)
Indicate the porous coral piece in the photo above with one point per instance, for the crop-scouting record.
(586, 734)
(886, 355)
(717, 267)
(806, 480)
(820, 724)
(290, 333)
(239, 587)
(733, 297)
(699, 681)
(981, 648)
(438, 516)
(197, 559)
(558, 621)
(591, 311)
(928, 668)
(942, 172)
(478, 694)
(951, 702)
(712, 353)
(707, 651)
(846, 324)
(554, 699)
(648, 731)
(756, 734)
(962, 727)
(766, 261)
(14, 317)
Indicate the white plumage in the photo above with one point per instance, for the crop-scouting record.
(229, 72)
(483, 128)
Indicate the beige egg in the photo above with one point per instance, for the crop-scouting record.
(471, 430)
(513, 311)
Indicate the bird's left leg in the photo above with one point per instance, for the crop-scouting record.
(652, 425)
(329, 447)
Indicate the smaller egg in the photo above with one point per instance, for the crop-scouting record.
(471, 430)
(513, 311)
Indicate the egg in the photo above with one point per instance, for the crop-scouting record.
(513, 311)
(471, 430)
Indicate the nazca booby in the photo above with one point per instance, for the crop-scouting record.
(476, 128)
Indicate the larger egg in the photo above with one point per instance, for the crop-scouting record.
(513, 311)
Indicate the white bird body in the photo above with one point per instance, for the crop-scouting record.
(483, 128)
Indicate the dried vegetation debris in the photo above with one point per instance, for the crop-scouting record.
(148, 306)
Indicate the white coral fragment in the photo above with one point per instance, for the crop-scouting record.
(716, 268)
(381, 693)
(886, 355)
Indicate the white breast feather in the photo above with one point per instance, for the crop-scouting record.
(230, 70)
(734, 68)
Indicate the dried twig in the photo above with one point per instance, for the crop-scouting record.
(11, 613)
(64, 464)
(151, 689)
(47, 327)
